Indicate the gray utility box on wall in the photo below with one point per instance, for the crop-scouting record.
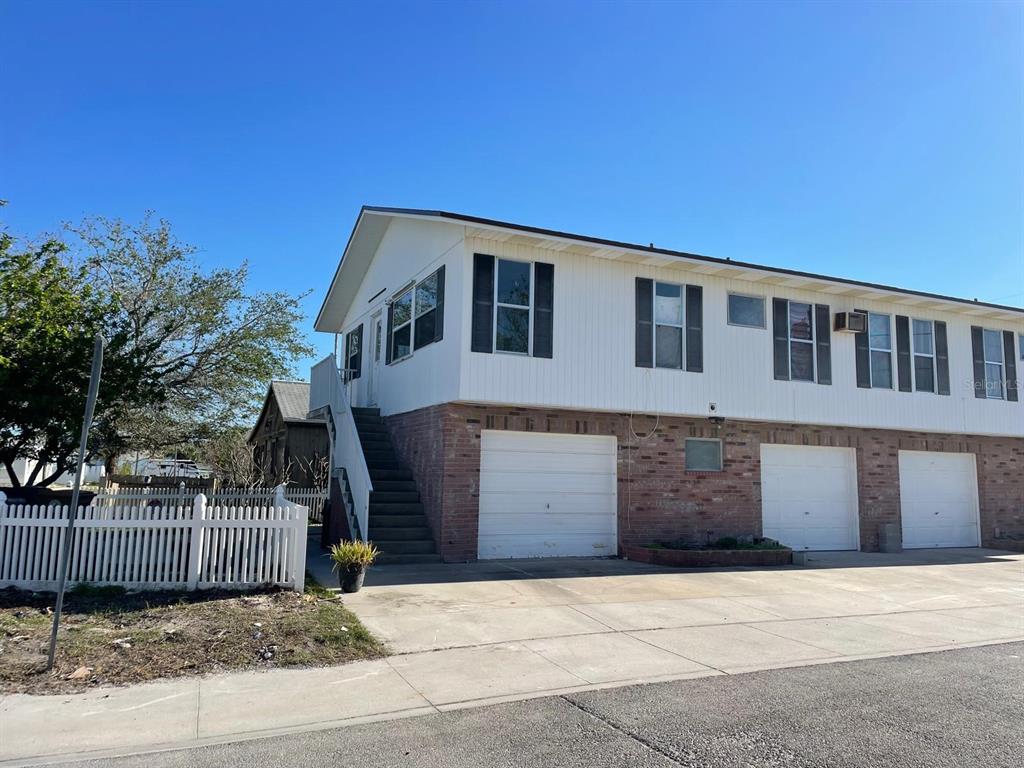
(889, 538)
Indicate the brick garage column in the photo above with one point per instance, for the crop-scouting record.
(878, 485)
(460, 427)
(1001, 492)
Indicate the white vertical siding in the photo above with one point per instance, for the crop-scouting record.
(411, 250)
(593, 363)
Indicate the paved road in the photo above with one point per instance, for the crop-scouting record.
(958, 708)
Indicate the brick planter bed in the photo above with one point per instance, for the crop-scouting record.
(708, 558)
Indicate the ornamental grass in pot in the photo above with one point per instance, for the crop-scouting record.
(351, 559)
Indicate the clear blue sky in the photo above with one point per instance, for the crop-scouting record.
(877, 141)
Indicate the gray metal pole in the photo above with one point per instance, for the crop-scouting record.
(90, 408)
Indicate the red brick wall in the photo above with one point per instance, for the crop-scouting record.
(659, 499)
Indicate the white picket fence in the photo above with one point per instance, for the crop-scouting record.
(311, 498)
(195, 546)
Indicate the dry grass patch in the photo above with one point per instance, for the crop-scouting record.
(112, 637)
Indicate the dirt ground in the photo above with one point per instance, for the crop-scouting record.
(112, 637)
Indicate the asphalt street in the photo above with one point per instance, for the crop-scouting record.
(958, 708)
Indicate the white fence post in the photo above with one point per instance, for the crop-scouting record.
(300, 515)
(195, 540)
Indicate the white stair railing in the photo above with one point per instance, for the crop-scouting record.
(328, 393)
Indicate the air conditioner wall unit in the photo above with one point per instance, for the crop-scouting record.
(851, 322)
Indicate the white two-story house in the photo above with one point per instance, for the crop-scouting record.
(502, 391)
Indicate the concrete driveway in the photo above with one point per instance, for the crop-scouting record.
(512, 627)
(468, 635)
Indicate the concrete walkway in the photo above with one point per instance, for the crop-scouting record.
(468, 635)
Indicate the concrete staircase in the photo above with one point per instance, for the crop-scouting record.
(397, 525)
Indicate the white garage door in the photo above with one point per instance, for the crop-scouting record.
(809, 496)
(544, 495)
(938, 499)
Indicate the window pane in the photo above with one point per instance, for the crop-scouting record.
(513, 330)
(878, 332)
(924, 373)
(669, 346)
(1020, 341)
(994, 380)
(800, 323)
(426, 295)
(513, 283)
(402, 309)
(668, 304)
(425, 328)
(993, 346)
(924, 343)
(801, 360)
(400, 342)
(703, 455)
(881, 370)
(746, 310)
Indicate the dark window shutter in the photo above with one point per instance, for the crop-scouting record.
(823, 342)
(644, 322)
(978, 353)
(482, 335)
(391, 330)
(903, 361)
(439, 312)
(1010, 358)
(543, 308)
(862, 351)
(357, 361)
(941, 359)
(780, 333)
(345, 356)
(694, 328)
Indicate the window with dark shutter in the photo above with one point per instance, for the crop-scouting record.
(862, 352)
(356, 360)
(1011, 366)
(823, 342)
(903, 375)
(644, 322)
(543, 309)
(428, 309)
(780, 338)
(482, 332)
(401, 318)
(941, 359)
(391, 325)
(694, 328)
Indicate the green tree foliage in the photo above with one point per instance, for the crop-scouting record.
(49, 316)
(189, 350)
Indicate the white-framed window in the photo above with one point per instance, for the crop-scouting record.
(922, 337)
(801, 341)
(668, 325)
(880, 346)
(703, 454)
(995, 378)
(425, 311)
(401, 325)
(513, 303)
(1020, 344)
(746, 311)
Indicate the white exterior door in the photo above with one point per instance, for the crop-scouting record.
(376, 352)
(545, 495)
(809, 496)
(938, 499)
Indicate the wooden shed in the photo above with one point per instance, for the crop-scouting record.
(286, 442)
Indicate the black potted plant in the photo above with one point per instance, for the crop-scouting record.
(351, 559)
